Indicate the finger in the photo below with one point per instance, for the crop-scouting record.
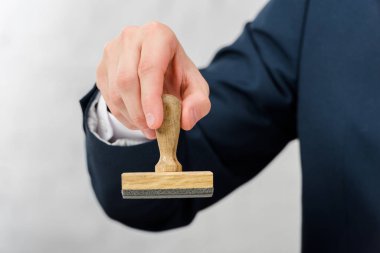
(173, 78)
(111, 93)
(102, 84)
(156, 54)
(127, 80)
(149, 133)
(196, 103)
(114, 104)
(101, 76)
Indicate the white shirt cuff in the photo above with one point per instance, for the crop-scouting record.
(108, 129)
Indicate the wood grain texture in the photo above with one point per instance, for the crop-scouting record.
(167, 180)
(167, 135)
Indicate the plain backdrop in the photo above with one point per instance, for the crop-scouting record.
(48, 55)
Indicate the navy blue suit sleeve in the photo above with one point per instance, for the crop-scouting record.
(253, 116)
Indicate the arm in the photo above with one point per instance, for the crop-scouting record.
(253, 96)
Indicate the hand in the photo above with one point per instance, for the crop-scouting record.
(141, 64)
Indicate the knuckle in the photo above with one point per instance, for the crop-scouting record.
(146, 67)
(154, 25)
(157, 27)
(110, 46)
(128, 34)
(127, 122)
(206, 103)
(125, 80)
(117, 114)
(115, 99)
(206, 88)
(202, 86)
(169, 36)
(113, 96)
(98, 72)
(138, 120)
(128, 31)
(129, 125)
(107, 48)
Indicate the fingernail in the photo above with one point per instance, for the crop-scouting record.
(150, 120)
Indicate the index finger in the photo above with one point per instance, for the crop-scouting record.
(157, 51)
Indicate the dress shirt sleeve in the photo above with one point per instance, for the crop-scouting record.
(108, 129)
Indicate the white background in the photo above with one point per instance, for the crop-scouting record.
(48, 55)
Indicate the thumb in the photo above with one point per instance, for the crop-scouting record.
(194, 107)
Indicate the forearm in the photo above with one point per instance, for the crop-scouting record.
(252, 92)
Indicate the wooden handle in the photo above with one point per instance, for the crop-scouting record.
(167, 135)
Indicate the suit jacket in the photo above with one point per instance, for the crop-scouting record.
(302, 69)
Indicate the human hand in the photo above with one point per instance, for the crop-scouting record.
(141, 64)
